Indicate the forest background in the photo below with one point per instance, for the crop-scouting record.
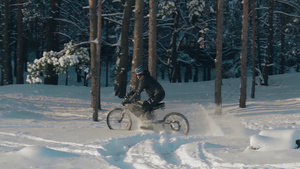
(177, 40)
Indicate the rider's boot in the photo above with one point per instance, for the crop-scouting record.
(148, 116)
(147, 127)
(147, 119)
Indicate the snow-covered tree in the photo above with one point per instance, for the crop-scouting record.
(6, 68)
(179, 22)
(60, 61)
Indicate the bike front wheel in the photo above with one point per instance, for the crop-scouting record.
(176, 122)
(118, 119)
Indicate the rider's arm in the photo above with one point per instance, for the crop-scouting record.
(139, 90)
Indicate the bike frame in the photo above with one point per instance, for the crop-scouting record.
(140, 112)
(172, 121)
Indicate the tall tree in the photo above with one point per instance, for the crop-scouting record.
(243, 86)
(258, 37)
(138, 53)
(282, 39)
(175, 67)
(253, 50)
(6, 68)
(20, 54)
(122, 55)
(93, 50)
(269, 54)
(52, 41)
(218, 60)
(152, 60)
(98, 59)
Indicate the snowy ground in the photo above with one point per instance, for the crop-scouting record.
(51, 127)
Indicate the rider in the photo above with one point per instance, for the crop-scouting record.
(154, 90)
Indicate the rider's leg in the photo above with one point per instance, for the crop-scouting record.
(156, 99)
(148, 105)
(145, 105)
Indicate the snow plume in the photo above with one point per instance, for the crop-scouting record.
(202, 121)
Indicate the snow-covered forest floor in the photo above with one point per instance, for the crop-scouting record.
(44, 126)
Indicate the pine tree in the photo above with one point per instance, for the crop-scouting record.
(52, 41)
(94, 71)
(6, 68)
(243, 85)
(20, 54)
(218, 60)
(138, 53)
(152, 60)
(122, 55)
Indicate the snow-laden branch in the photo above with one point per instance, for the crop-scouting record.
(284, 13)
(117, 22)
(75, 46)
(67, 21)
(70, 56)
(113, 14)
(63, 34)
(289, 3)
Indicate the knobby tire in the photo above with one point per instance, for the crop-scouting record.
(176, 122)
(117, 119)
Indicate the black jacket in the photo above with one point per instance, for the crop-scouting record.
(150, 85)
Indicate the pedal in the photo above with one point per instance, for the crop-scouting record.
(150, 127)
(147, 121)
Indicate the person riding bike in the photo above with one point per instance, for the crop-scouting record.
(152, 87)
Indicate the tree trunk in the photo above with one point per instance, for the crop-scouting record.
(138, 53)
(243, 89)
(282, 40)
(218, 61)
(98, 58)
(204, 73)
(258, 37)
(93, 47)
(187, 73)
(174, 52)
(52, 41)
(268, 60)
(178, 70)
(196, 74)
(122, 58)
(107, 25)
(6, 69)
(20, 55)
(152, 60)
(253, 50)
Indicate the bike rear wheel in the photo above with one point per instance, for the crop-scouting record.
(118, 119)
(176, 122)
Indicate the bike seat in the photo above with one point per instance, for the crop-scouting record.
(159, 106)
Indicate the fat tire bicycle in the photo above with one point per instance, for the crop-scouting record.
(120, 118)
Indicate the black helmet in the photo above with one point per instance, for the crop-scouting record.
(138, 70)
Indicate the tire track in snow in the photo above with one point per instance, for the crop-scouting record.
(191, 156)
(70, 147)
(146, 151)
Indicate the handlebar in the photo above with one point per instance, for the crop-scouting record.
(127, 96)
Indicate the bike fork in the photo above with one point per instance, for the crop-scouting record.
(121, 118)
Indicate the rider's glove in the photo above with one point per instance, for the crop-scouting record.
(127, 96)
(131, 93)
